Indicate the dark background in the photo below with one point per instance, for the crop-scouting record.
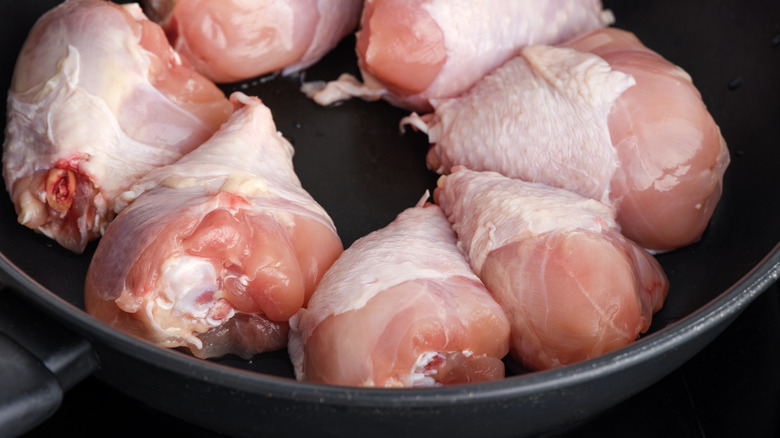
(732, 387)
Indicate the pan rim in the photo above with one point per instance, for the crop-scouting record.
(722, 309)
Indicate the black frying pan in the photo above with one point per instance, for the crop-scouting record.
(353, 160)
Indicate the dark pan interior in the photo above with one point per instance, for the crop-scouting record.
(355, 162)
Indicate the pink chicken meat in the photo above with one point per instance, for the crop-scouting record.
(411, 51)
(571, 285)
(601, 115)
(234, 40)
(401, 308)
(98, 99)
(218, 250)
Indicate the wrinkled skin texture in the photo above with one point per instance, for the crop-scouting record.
(98, 99)
(232, 40)
(217, 251)
(571, 285)
(671, 152)
(412, 51)
(602, 116)
(401, 308)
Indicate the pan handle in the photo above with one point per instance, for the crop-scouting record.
(39, 361)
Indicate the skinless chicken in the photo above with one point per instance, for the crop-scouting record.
(401, 308)
(98, 99)
(217, 251)
(411, 51)
(602, 116)
(571, 285)
(232, 40)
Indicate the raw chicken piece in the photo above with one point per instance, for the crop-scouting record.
(571, 285)
(671, 153)
(216, 251)
(98, 98)
(411, 51)
(401, 308)
(232, 40)
(603, 116)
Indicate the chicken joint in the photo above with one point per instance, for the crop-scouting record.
(60, 189)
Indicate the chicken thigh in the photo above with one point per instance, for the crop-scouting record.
(401, 308)
(602, 116)
(232, 40)
(411, 51)
(217, 251)
(98, 98)
(571, 285)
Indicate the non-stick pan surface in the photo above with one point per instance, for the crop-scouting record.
(355, 162)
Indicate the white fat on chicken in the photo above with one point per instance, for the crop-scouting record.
(189, 284)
